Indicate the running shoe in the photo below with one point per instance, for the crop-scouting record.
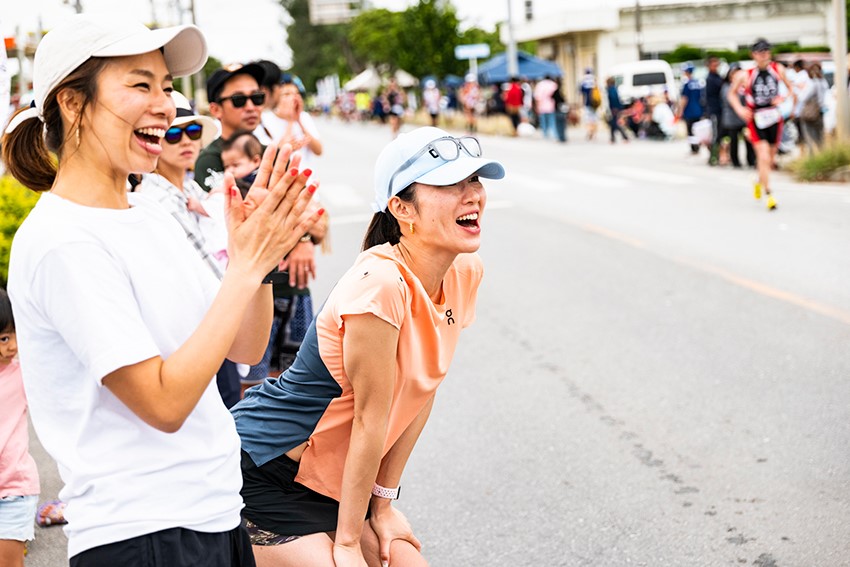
(771, 203)
(757, 190)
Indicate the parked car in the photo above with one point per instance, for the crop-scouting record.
(645, 78)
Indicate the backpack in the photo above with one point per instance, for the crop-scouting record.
(595, 97)
(811, 109)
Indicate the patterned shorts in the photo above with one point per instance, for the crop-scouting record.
(263, 537)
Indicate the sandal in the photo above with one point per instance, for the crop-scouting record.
(51, 513)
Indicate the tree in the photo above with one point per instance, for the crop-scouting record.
(317, 51)
(374, 36)
(428, 38)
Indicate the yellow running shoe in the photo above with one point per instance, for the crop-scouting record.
(757, 190)
(771, 203)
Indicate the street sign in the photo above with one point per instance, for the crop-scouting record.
(472, 51)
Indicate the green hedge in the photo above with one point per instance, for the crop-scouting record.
(16, 201)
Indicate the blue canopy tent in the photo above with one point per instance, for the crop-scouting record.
(530, 67)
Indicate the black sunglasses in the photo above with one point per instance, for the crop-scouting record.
(240, 100)
(175, 133)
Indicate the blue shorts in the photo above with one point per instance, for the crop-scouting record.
(17, 517)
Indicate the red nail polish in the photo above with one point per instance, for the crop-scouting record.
(320, 212)
(308, 172)
(233, 191)
(293, 172)
(312, 189)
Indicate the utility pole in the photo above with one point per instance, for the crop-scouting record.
(513, 64)
(638, 31)
(201, 102)
(839, 56)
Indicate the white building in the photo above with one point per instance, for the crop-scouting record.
(602, 33)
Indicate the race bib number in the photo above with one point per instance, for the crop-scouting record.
(766, 117)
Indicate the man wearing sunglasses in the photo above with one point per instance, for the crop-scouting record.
(236, 101)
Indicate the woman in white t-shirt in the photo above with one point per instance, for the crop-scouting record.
(121, 326)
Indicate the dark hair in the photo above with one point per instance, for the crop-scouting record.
(384, 226)
(251, 145)
(7, 319)
(27, 150)
(271, 77)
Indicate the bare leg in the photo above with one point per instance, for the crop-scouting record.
(764, 162)
(11, 553)
(315, 550)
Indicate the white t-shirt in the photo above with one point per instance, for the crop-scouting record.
(95, 290)
(277, 126)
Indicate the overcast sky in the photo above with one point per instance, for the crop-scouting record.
(253, 30)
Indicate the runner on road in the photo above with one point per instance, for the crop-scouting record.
(763, 118)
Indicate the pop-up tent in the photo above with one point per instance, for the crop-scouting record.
(530, 67)
(368, 80)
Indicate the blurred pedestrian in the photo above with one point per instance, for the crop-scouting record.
(326, 444)
(19, 485)
(615, 107)
(431, 98)
(148, 453)
(544, 106)
(513, 102)
(803, 89)
(592, 99)
(713, 84)
(811, 114)
(690, 105)
(732, 125)
(562, 110)
(396, 100)
(470, 96)
(763, 118)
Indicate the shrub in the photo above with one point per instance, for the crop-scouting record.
(821, 165)
(16, 201)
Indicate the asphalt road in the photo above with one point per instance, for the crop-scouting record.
(657, 374)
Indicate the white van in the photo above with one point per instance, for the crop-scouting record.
(644, 78)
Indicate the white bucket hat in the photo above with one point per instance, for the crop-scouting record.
(83, 36)
(185, 114)
(416, 157)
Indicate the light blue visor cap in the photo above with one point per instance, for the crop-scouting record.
(427, 169)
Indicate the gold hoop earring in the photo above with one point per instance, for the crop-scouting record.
(411, 228)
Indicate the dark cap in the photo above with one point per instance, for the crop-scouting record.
(761, 44)
(217, 80)
(271, 77)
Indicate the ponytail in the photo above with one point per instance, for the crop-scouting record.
(28, 150)
(26, 155)
(384, 226)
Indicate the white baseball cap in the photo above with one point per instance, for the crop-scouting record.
(83, 36)
(421, 156)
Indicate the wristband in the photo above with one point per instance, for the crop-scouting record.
(388, 493)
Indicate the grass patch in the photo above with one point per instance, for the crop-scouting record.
(822, 165)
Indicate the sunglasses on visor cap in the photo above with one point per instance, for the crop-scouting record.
(448, 148)
(193, 131)
(240, 100)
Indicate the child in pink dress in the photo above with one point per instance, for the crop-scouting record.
(19, 486)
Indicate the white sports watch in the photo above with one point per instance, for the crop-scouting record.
(388, 493)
